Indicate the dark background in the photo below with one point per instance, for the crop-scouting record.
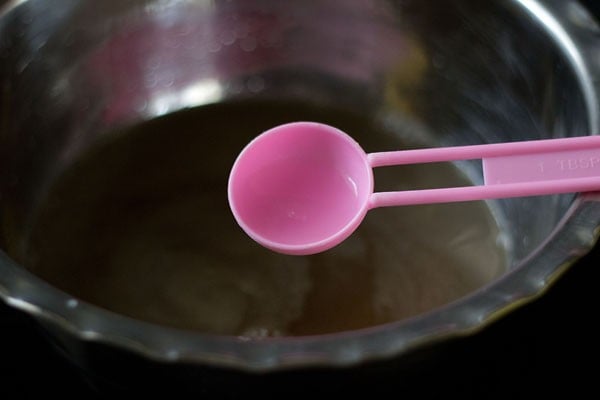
(548, 347)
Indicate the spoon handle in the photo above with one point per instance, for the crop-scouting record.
(516, 169)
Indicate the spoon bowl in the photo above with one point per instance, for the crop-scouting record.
(301, 188)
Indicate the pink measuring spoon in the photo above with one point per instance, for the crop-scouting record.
(304, 187)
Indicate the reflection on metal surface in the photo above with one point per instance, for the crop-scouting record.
(7, 5)
(563, 39)
(204, 92)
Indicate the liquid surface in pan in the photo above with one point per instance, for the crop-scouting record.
(140, 225)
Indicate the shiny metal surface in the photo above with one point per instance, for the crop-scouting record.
(457, 72)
